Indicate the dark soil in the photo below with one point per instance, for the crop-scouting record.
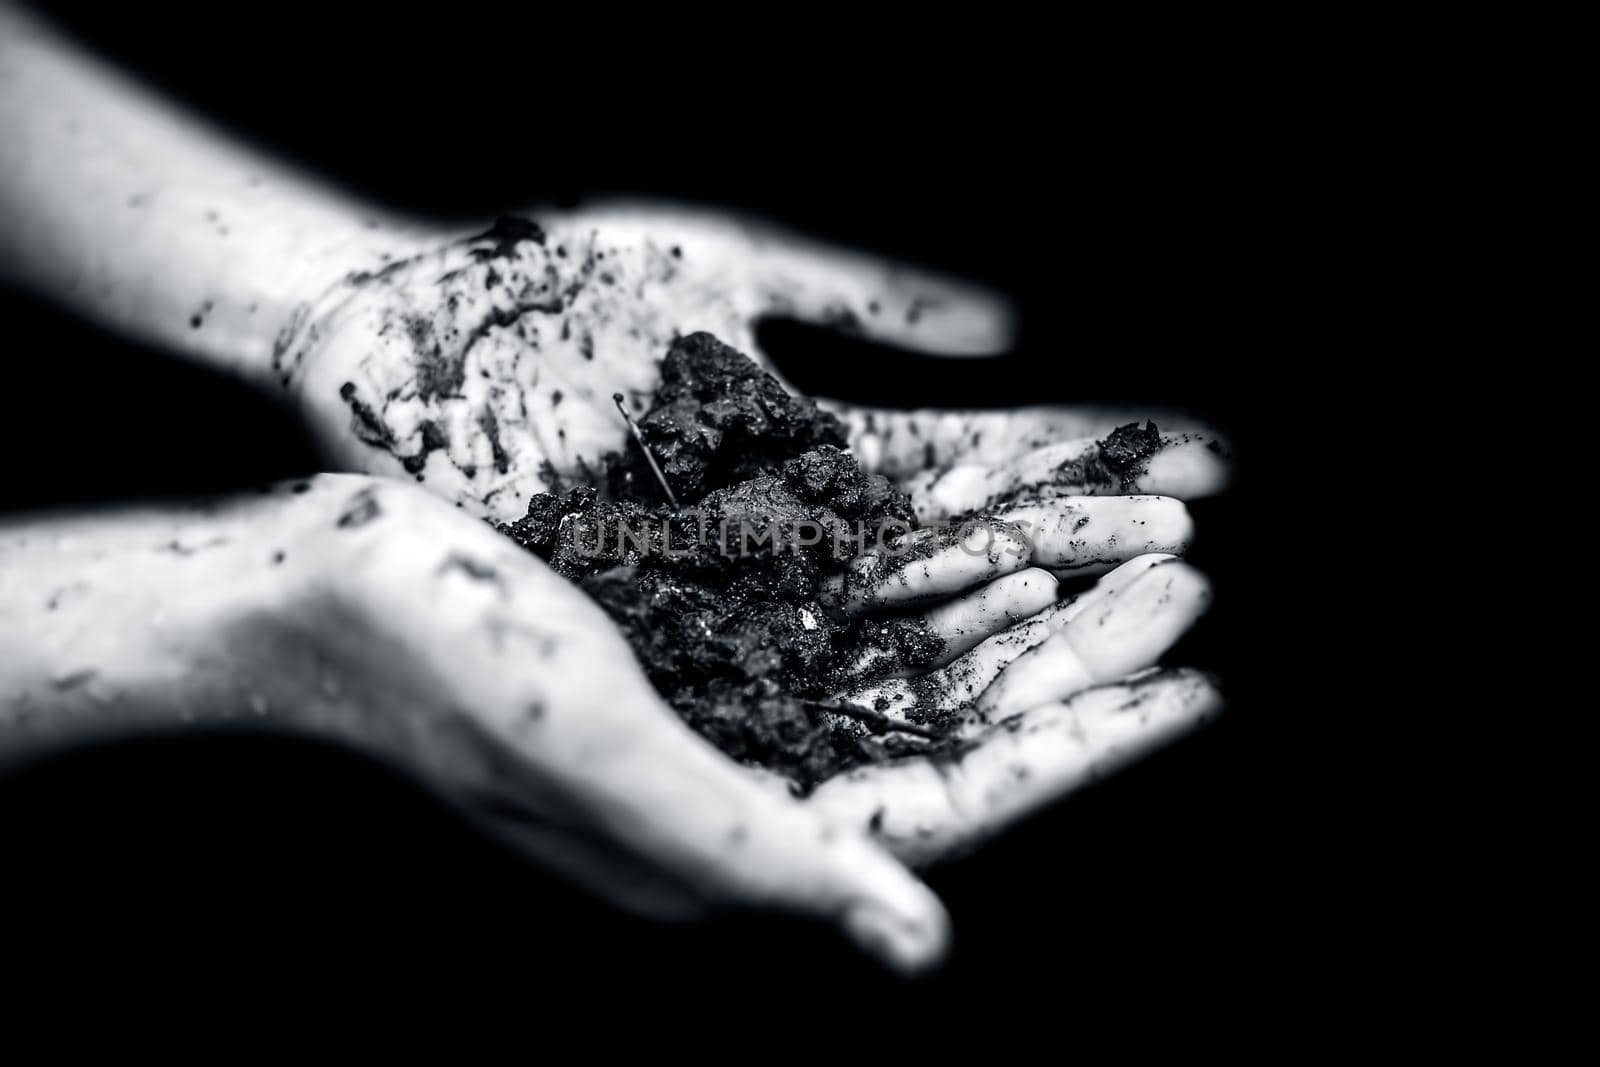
(719, 596)
(718, 419)
(1126, 448)
(1115, 466)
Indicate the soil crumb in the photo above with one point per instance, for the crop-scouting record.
(719, 597)
(1125, 450)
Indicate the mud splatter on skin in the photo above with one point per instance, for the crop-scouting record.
(363, 508)
(434, 439)
(384, 273)
(918, 546)
(1119, 460)
(1115, 464)
(75, 680)
(507, 232)
(364, 421)
(177, 548)
(737, 639)
(897, 645)
(1125, 450)
(476, 570)
(490, 425)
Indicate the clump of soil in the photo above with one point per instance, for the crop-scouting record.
(719, 597)
(1125, 450)
(1115, 464)
(718, 419)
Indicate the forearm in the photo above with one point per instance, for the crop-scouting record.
(346, 609)
(138, 621)
(343, 608)
(145, 219)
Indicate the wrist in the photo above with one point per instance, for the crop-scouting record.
(303, 246)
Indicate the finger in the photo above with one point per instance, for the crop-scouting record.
(898, 646)
(939, 693)
(924, 810)
(964, 622)
(727, 838)
(1187, 466)
(691, 811)
(767, 270)
(928, 564)
(1111, 585)
(878, 298)
(904, 443)
(1113, 637)
(1090, 535)
(1074, 535)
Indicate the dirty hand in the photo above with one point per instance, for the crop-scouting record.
(485, 367)
(366, 611)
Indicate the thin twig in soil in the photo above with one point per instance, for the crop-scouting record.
(639, 437)
(880, 721)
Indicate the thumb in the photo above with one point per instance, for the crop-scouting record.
(726, 832)
(765, 270)
(901, 443)
(878, 298)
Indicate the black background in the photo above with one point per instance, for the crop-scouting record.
(1155, 235)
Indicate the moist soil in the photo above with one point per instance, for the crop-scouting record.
(720, 595)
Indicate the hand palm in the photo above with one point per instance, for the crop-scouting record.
(487, 366)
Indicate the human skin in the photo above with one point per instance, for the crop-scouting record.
(453, 371)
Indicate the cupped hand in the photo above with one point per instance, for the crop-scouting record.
(485, 366)
(428, 638)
